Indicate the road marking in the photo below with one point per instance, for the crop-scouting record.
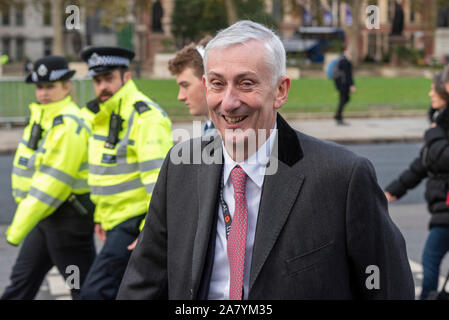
(57, 286)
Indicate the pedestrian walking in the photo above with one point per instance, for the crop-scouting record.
(188, 68)
(431, 164)
(344, 83)
(130, 137)
(54, 216)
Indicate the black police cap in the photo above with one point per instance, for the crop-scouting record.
(50, 69)
(101, 60)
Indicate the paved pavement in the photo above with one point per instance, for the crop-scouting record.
(358, 130)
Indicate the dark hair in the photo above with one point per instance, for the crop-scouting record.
(445, 74)
(440, 87)
(123, 70)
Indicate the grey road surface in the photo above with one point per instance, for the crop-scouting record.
(409, 213)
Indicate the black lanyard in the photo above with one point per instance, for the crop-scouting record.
(226, 214)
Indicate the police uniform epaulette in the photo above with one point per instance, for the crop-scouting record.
(141, 106)
(93, 106)
(58, 120)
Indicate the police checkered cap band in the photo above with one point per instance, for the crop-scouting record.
(97, 60)
(57, 74)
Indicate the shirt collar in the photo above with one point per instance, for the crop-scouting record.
(208, 124)
(255, 165)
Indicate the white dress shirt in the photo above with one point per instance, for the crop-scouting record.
(254, 168)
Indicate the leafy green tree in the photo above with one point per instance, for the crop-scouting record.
(192, 19)
(214, 17)
(254, 10)
(185, 20)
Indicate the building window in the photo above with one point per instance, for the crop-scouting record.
(391, 9)
(5, 14)
(19, 14)
(47, 13)
(372, 45)
(48, 43)
(338, 17)
(20, 49)
(412, 13)
(6, 46)
(382, 44)
(277, 10)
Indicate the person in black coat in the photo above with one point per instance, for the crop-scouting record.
(344, 83)
(433, 164)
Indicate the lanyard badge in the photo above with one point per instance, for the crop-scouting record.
(226, 214)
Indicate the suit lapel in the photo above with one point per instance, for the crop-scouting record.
(208, 184)
(279, 193)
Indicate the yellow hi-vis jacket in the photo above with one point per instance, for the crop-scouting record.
(122, 179)
(43, 179)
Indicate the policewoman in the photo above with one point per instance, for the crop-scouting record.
(130, 138)
(54, 216)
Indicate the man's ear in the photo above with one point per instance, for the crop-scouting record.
(67, 85)
(126, 76)
(282, 89)
(204, 83)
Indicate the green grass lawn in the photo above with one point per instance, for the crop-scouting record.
(306, 95)
(315, 95)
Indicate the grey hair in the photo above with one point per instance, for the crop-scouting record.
(244, 31)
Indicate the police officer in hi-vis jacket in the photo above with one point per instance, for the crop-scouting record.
(130, 138)
(54, 216)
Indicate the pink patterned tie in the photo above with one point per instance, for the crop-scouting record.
(237, 236)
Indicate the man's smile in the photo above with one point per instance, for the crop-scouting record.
(234, 120)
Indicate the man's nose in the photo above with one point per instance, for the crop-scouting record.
(102, 85)
(181, 95)
(231, 99)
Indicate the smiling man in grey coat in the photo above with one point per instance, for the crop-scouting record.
(262, 211)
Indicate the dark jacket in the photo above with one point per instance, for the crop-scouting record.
(323, 222)
(432, 163)
(344, 79)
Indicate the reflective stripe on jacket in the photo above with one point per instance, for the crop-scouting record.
(43, 179)
(122, 179)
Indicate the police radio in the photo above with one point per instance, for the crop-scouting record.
(35, 136)
(115, 126)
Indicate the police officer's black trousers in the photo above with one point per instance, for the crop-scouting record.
(344, 97)
(106, 273)
(63, 239)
